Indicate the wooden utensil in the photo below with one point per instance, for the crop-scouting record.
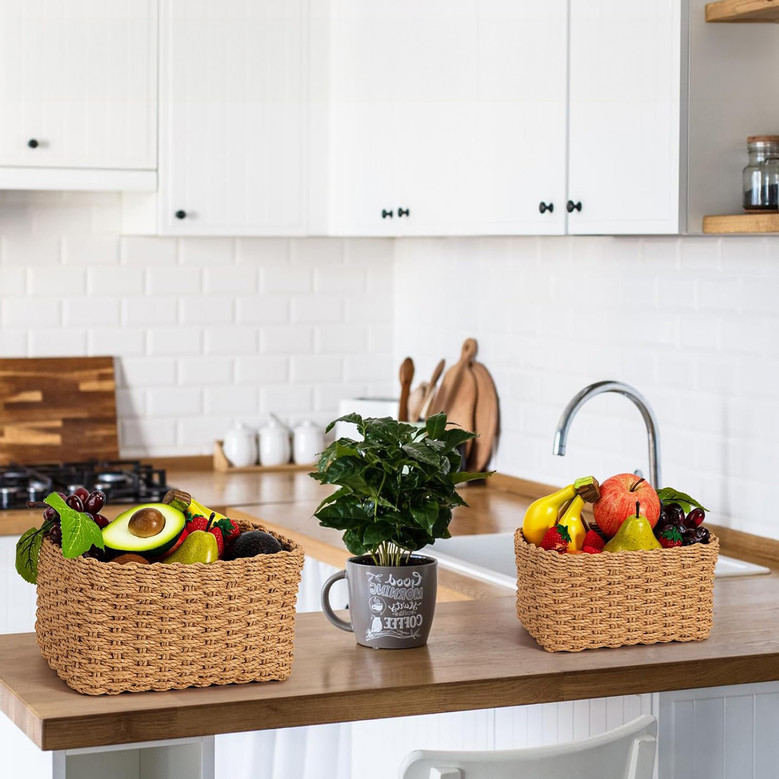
(57, 409)
(486, 419)
(431, 388)
(406, 377)
(415, 401)
(457, 393)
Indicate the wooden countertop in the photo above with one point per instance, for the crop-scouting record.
(479, 656)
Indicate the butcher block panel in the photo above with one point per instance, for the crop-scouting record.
(55, 409)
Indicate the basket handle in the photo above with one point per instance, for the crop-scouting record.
(328, 609)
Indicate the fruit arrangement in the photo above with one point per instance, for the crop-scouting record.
(629, 513)
(178, 530)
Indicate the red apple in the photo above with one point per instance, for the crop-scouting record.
(618, 497)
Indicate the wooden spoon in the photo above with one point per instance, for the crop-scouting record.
(415, 400)
(406, 377)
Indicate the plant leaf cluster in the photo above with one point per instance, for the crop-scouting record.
(396, 487)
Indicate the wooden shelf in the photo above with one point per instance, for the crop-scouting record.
(743, 11)
(727, 224)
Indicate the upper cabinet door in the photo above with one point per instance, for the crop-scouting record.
(625, 98)
(78, 84)
(450, 115)
(233, 117)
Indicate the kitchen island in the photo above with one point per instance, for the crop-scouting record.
(479, 656)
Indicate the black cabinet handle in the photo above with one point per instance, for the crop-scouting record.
(574, 206)
(32, 143)
(385, 213)
(543, 207)
(402, 212)
(180, 214)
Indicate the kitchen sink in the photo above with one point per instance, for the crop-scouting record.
(490, 558)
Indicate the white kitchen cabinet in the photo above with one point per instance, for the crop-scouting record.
(448, 118)
(233, 120)
(78, 94)
(624, 116)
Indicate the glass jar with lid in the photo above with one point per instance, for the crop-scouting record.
(761, 175)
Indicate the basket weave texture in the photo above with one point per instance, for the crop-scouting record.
(110, 628)
(574, 602)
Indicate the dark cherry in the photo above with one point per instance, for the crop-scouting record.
(55, 534)
(81, 492)
(701, 535)
(695, 517)
(95, 502)
(675, 513)
(100, 520)
(50, 515)
(75, 502)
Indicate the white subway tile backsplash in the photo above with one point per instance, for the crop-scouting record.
(210, 310)
(262, 251)
(312, 369)
(202, 371)
(137, 436)
(117, 341)
(20, 312)
(348, 280)
(286, 279)
(174, 401)
(60, 281)
(231, 340)
(57, 343)
(31, 249)
(148, 311)
(91, 312)
(130, 402)
(317, 252)
(239, 280)
(296, 398)
(340, 339)
(13, 281)
(213, 252)
(262, 309)
(145, 372)
(114, 281)
(174, 281)
(146, 252)
(13, 342)
(231, 400)
(90, 249)
(263, 370)
(287, 339)
(175, 341)
(313, 309)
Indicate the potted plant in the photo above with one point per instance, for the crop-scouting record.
(396, 491)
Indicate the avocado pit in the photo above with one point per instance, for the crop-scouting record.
(146, 522)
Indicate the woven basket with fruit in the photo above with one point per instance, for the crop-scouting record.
(167, 595)
(625, 578)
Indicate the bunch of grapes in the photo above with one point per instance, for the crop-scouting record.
(689, 525)
(81, 499)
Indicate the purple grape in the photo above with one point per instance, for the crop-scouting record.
(81, 492)
(75, 502)
(50, 515)
(662, 520)
(55, 534)
(701, 535)
(695, 517)
(100, 520)
(675, 514)
(95, 502)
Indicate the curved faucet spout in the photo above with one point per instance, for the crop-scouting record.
(578, 400)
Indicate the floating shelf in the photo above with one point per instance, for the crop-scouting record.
(743, 11)
(742, 223)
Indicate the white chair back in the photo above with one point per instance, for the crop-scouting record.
(627, 752)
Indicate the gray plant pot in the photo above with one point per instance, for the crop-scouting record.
(391, 607)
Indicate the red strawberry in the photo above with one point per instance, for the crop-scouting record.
(216, 532)
(230, 529)
(556, 538)
(591, 550)
(670, 536)
(592, 539)
(197, 522)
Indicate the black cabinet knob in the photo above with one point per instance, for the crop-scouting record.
(32, 143)
(574, 206)
(543, 207)
(385, 213)
(180, 214)
(402, 212)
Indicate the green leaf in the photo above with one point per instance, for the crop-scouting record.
(27, 549)
(463, 476)
(455, 437)
(426, 515)
(79, 531)
(436, 425)
(377, 534)
(422, 453)
(355, 419)
(670, 495)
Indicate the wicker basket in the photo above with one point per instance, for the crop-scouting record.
(108, 628)
(574, 602)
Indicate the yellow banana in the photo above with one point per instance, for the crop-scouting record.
(572, 519)
(544, 512)
(183, 501)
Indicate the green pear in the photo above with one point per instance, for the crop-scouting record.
(198, 547)
(633, 534)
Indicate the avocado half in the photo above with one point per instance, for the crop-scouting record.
(118, 538)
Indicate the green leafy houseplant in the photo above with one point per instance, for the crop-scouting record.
(396, 486)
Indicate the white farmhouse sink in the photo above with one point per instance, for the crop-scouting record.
(490, 557)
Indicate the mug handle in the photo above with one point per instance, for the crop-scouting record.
(328, 609)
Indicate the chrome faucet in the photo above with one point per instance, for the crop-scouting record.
(578, 400)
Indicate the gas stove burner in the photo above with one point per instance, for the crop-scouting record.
(123, 481)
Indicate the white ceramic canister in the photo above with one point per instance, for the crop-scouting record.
(240, 445)
(274, 443)
(308, 441)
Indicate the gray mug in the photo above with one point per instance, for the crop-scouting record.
(391, 607)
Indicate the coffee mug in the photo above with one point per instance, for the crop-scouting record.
(391, 607)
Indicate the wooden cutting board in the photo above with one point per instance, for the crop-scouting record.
(486, 419)
(56, 409)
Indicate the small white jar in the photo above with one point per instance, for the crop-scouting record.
(240, 445)
(274, 443)
(307, 443)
